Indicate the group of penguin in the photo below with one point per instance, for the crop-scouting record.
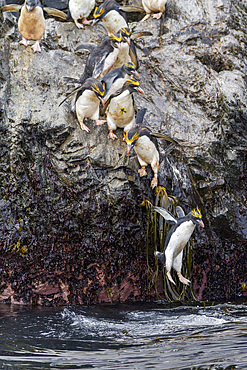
(110, 79)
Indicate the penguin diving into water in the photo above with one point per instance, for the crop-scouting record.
(113, 15)
(178, 236)
(153, 6)
(31, 23)
(120, 111)
(145, 145)
(80, 9)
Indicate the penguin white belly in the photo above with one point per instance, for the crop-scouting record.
(81, 8)
(113, 21)
(31, 24)
(179, 239)
(109, 61)
(123, 56)
(87, 105)
(146, 151)
(154, 5)
(121, 110)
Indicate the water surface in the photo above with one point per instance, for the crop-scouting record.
(136, 336)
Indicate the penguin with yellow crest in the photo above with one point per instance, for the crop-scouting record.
(121, 111)
(177, 238)
(113, 15)
(145, 145)
(87, 102)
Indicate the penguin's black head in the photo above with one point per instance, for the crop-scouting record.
(130, 69)
(126, 32)
(31, 4)
(98, 88)
(196, 216)
(101, 11)
(115, 40)
(132, 85)
(131, 138)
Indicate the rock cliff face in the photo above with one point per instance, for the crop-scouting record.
(71, 226)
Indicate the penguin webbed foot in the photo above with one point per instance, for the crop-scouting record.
(84, 127)
(182, 279)
(148, 15)
(36, 46)
(78, 25)
(154, 182)
(100, 122)
(24, 42)
(157, 15)
(111, 135)
(170, 277)
(142, 171)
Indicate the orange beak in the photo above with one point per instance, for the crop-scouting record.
(102, 101)
(136, 74)
(200, 222)
(128, 40)
(140, 91)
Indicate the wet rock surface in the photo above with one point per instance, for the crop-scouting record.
(71, 225)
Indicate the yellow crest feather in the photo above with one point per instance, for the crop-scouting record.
(196, 213)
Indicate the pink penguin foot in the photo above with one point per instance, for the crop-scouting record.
(157, 15)
(24, 42)
(111, 135)
(86, 22)
(142, 171)
(146, 17)
(84, 127)
(100, 122)
(154, 182)
(183, 279)
(79, 25)
(36, 47)
(170, 277)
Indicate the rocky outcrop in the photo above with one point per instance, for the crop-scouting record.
(71, 226)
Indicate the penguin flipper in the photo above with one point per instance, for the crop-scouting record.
(164, 137)
(89, 47)
(56, 13)
(72, 80)
(137, 35)
(170, 219)
(180, 211)
(131, 9)
(70, 94)
(140, 116)
(11, 8)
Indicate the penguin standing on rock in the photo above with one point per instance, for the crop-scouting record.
(87, 102)
(31, 23)
(121, 111)
(154, 6)
(80, 9)
(145, 145)
(99, 62)
(177, 238)
(113, 15)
